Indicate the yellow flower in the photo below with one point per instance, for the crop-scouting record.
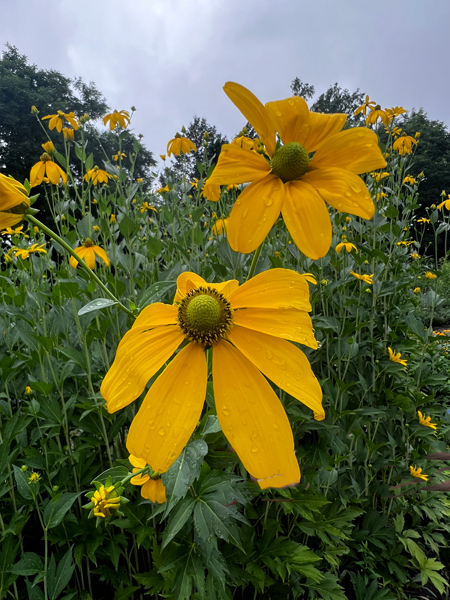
(105, 500)
(34, 477)
(119, 156)
(57, 120)
(417, 473)
(68, 134)
(426, 421)
(423, 220)
(139, 180)
(96, 228)
(246, 327)
(377, 113)
(379, 176)
(163, 189)
(347, 245)
(396, 131)
(146, 206)
(410, 180)
(381, 195)
(87, 252)
(49, 147)
(366, 278)
(11, 231)
(416, 290)
(395, 111)
(397, 358)
(291, 183)
(415, 255)
(363, 108)
(97, 175)
(152, 489)
(25, 252)
(121, 118)
(445, 204)
(219, 226)
(429, 275)
(28, 390)
(404, 144)
(46, 168)
(180, 145)
(113, 219)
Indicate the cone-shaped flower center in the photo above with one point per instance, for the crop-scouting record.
(88, 243)
(205, 316)
(290, 162)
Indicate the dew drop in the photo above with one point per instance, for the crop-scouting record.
(162, 431)
(225, 410)
(269, 354)
(245, 213)
(267, 201)
(254, 448)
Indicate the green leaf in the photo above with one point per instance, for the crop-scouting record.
(29, 564)
(22, 483)
(155, 292)
(127, 226)
(54, 511)
(116, 474)
(96, 304)
(212, 519)
(58, 579)
(212, 425)
(177, 519)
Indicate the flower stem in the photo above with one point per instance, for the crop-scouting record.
(254, 262)
(81, 262)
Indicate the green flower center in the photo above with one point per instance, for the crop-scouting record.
(290, 162)
(205, 316)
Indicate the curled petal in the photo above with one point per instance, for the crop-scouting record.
(291, 119)
(102, 254)
(236, 165)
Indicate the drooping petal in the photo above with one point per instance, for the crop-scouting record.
(154, 490)
(140, 354)
(88, 255)
(307, 219)
(291, 119)
(283, 363)
(137, 462)
(254, 213)
(157, 314)
(287, 323)
(343, 190)
(9, 219)
(102, 254)
(252, 417)
(276, 288)
(355, 149)
(321, 127)
(254, 111)
(236, 165)
(37, 173)
(171, 410)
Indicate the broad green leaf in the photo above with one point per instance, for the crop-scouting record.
(96, 304)
(29, 564)
(54, 511)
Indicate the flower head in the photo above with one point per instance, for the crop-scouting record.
(445, 204)
(415, 472)
(219, 226)
(415, 255)
(152, 486)
(410, 180)
(58, 120)
(46, 168)
(347, 245)
(119, 156)
(113, 219)
(49, 148)
(28, 390)
(292, 182)
(11, 231)
(25, 252)
(426, 421)
(180, 145)
(104, 500)
(146, 206)
(423, 220)
(377, 113)
(34, 477)
(68, 134)
(397, 358)
(249, 329)
(416, 290)
(430, 275)
(368, 104)
(366, 278)
(121, 118)
(14, 201)
(88, 251)
(97, 175)
(404, 144)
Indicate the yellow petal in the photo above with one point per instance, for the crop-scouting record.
(252, 417)
(287, 323)
(283, 363)
(254, 111)
(154, 490)
(226, 287)
(140, 354)
(307, 219)
(102, 254)
(236, 165)
(355, 150)
(276, 288)
(254, 213)
(343, 190)
(187, 281)
(171, 410)
(137, 462)
(321, 127)
(37, 173)
(88, 256)
(291, 119)
(9, 219)
(157, 314)
(139, 479)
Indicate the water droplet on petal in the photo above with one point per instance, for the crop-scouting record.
(254, 448)
(162, 431)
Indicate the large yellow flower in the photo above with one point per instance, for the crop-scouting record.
(292, 182)
(46, 168)
(14, 201)
(247, 328)
(56, 121)
(87, 252)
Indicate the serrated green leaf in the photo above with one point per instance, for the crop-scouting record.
(177, 519)
(54, 511)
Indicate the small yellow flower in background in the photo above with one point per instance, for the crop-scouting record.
(87, 252)
(49, 148)
(25, 252)
(416, 290)
(139, 180)
(121, 118)
(404, 144)
(146, 206)
(180, 145)
(291, 183)
(11, 231)
(377, 113)
(445, 204)
(397, 358)
(163, 189)
(96, 228)
(396, 131)
(395, 111)
(232, 186)
(113, 219)
(406, 243)
(366, 278)
(418, 473)
(28, 390)
(104, 501)
(381, 195)
(68, 134)
(46, 168)
(58, 120)
(348, 219)
(417, 135)
(423, 220)
(36, 230)
(119, 156)
(379, 176)
(277, 254)
(415, 255)
(34, 477)
(249, 328)
(97, 175)
(220, 226)
(162, 156)
(410, 180)
(368, 104)
(347, 245)
(429, 275)
(152, 487)
(426, 421)
(438, 333)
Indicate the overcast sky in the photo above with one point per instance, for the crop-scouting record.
(170, 58)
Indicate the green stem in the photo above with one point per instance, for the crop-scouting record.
(254, 262)
(66, 246)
